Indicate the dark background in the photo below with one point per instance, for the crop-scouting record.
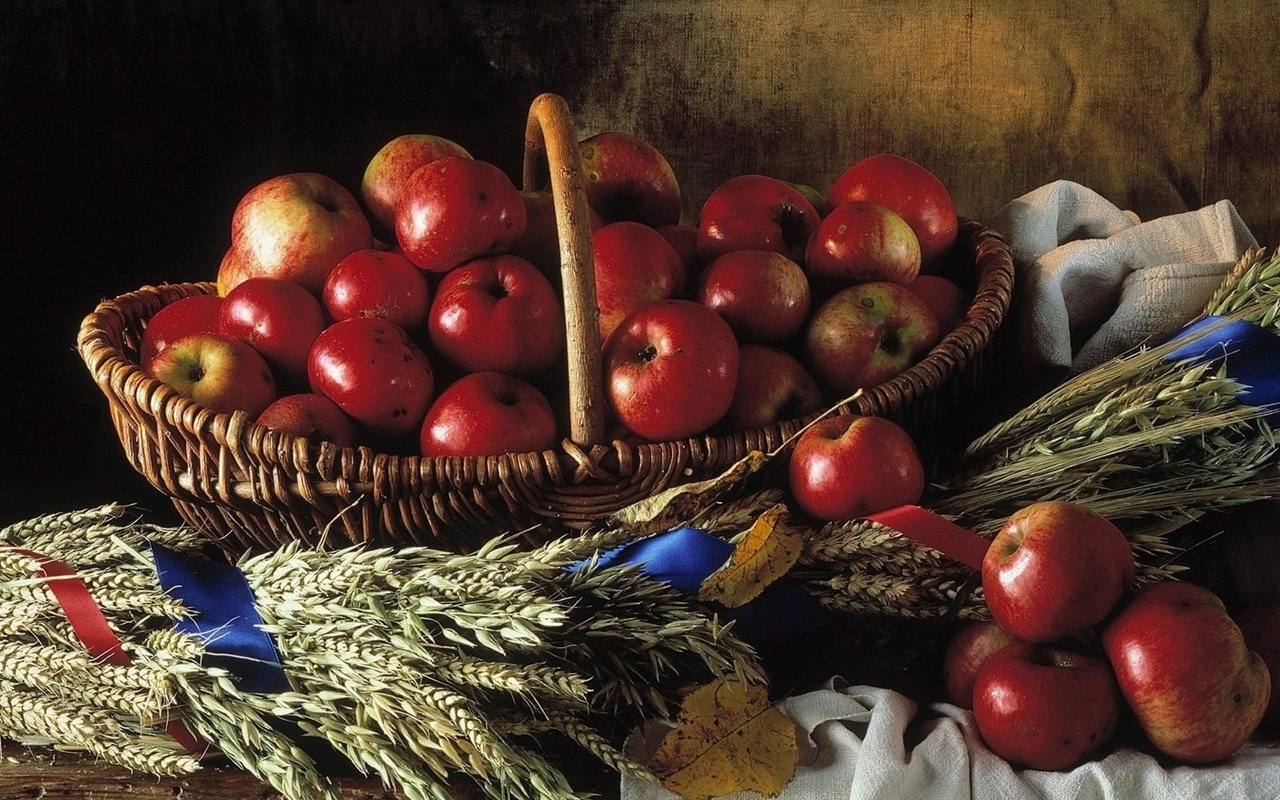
(129, 129)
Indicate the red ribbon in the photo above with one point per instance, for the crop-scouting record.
(90, 625)
(937, 532)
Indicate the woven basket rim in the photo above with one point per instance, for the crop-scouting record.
(118, 375)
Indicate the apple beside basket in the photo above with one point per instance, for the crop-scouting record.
(251, 488)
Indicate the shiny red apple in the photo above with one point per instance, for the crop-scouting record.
(966, 653)
(671, 368)
(634, 265)
(910, 190)
(487, 413)
(280, 319)
(310, 416)
(455, 209)
(755, 212)
(1045, 707)
(378, 283)
(944, 297)
(764, 296)
(1055, 568)
(861, 241)
(848, 466)
(385, 174)
(375, 373)
(499, 314)
(1183, 665)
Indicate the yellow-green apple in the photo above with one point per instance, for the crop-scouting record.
(1261, 628)
(295, 226)
(540, 243)
(671, 368)
(310, 416)
(967, 652)
(634, 265)
(1055, 568)
(684, 240)
(184, 316)
(1044, 706)
(627, 178)
(385, 174)
(868, 333)
(755, 212)
(850, 465)
(1196, 689)
(772, 386)
(487, 413)
(378, 283)
(862, 241)
(763, 295)
(375, 373)
(455, 209)
(944, 297)
(810, 193)
(280, 319)
(912, 191)
(218, 372)
(499, 314)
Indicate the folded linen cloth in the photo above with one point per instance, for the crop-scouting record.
(868, 743)
(1093, 282)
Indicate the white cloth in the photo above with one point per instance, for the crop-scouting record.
(866, 743)
(1092, 281)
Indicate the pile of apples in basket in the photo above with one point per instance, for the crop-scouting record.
(422, 314)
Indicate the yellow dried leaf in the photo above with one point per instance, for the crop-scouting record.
(679, 505)
(728, 738)
(767, 552)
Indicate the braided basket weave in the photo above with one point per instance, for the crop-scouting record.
(251, 488)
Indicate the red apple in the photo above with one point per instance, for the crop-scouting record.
(1053, 569)
(310, 416)
(684, 240)
(755, 212)
(296, 226)
(967, 652)
(1261, 628)
(1183, 666)
(278, 318)
(184, 316)
(1045, 707)
(868, 333)
(912, 191)
(944, 297)
(764, 296)
(772, 386)
(385, 175)
(849, 466)
(455, 209)
(634, 265)
(862, 241)
(497, 314)
(540, 243)
(627, 178)
(218, 372)
(378, 283)
(487, 413)
(670, 369)
(375, 373)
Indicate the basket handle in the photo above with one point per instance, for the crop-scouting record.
(550, 134)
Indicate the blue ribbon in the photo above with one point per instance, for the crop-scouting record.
(796, 638)
(1252, 355)
(223, 616)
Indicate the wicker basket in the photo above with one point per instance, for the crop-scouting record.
(251, 488)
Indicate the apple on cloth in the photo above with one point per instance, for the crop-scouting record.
(873, 743)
